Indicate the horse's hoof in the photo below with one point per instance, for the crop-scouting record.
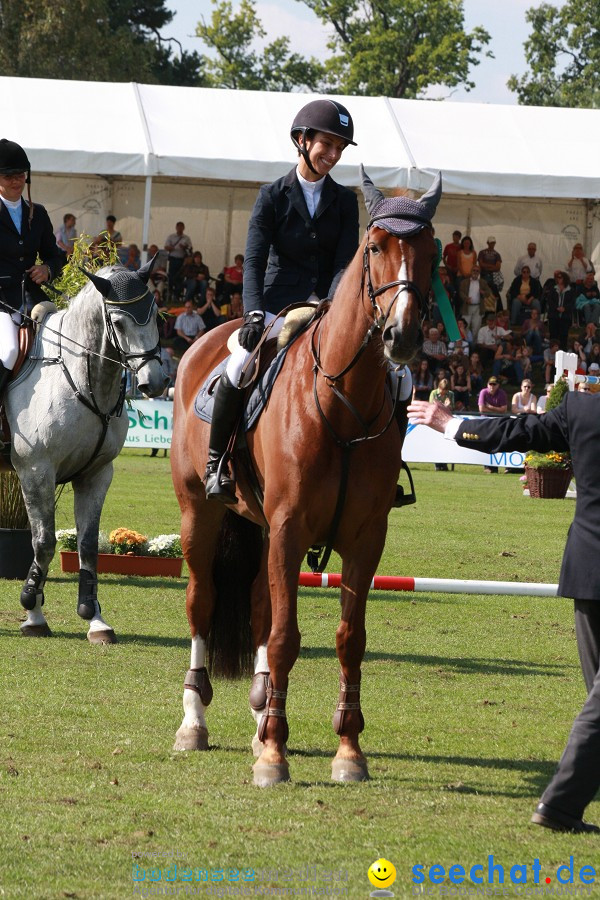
(36, 630)
(102, 637)
(266, 775)
(191, 739)
(349, 770)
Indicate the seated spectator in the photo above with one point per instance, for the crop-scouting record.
(475, 372)
(490, 336)
(233, 277)
(450, 254)
(594, 369)
(422, 381)
(593, 357)
(533, 332)
(561, 302)
(158, 276)
(465, 332)
(541, 404)
(588, 337)
(492, 399)
(490, 263)
(195, 277)
(442, 394)
(523, 296)
(460, 384)
(169, 364)
(523, 358)
(532, 260)
(189, 326)
(524, 401)
(434, 349)
(458, 354)
(588, 300)
(235, 308)
(550, 358)
(466, 258)
(476, 299)
(436, 315)
(211, 311)
(507, 366)
(66, 235)
(578, 265)
(581, 357)
(583, 388)
(131, 257)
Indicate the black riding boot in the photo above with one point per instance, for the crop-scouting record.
(218, 480)
(403, 499)
(4, 376)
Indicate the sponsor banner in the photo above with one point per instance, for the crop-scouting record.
(150, 423)
(422, 444)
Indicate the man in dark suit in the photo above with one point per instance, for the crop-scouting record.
(574, 426)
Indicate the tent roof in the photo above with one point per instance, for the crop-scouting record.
(243, 136)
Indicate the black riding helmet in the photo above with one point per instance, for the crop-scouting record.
(322, 115)
(13, 159)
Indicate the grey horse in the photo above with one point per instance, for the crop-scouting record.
(65, 411)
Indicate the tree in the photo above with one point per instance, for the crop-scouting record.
(563, 52)
(91, 40)
(236, 65)
(398, 48)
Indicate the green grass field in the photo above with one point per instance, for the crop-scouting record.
(468, 701)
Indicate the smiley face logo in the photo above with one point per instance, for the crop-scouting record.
(382, 873)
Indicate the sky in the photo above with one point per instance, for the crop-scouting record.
(503, 19)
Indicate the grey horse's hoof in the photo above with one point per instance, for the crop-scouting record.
(36, 630)
(102, 637)
(266, 775)
(349, 770)
(191, 739)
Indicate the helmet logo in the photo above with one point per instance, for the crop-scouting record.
(344, 120)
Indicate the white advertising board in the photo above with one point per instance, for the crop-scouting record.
(150, 424)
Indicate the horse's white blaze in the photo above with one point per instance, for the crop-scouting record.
(260, 660)
(403, 294)
(35, 616)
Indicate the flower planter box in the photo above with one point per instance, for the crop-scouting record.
(113, 563)
(548, 484)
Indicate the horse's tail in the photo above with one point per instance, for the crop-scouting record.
(236, 565)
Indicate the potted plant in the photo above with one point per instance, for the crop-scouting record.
(16, 551)
(126, 552)
(548, 475)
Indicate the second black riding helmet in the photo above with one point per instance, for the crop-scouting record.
(322, 115)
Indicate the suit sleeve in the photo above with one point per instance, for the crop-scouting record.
(261, 230)
(49, 251)
(348, 241)
(504, 433)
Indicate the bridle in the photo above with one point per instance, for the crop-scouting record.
(144, 356)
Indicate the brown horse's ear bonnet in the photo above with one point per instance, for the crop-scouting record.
(400, 216)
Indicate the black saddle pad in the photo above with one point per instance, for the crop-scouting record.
(260, 392)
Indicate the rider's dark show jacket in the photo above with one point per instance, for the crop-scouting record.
(289, 254)
(18, 252)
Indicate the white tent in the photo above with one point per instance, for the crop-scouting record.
(152, 155)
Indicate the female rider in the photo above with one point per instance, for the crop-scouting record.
(303, 232)
(25, 233)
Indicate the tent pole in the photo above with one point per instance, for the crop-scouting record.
(146, 221)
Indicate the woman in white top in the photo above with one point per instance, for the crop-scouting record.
(524, 401)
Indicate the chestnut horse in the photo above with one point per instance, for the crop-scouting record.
(329, 398)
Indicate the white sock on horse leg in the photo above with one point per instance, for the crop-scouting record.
(260, 659)
(193, 708)
(35, 616)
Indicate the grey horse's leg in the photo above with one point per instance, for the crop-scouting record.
(38, 493)
(89, 493)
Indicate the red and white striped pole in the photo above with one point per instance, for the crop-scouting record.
(436, 585)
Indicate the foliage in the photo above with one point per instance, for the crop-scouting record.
(556, 395)
(85, 255)
(236, 65)
(13, 513)
(551, 460)
(123, 541)
(92, 40)
(563, 53)
(468, 701)
(397, 48)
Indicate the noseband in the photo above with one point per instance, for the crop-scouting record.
(144, 356)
